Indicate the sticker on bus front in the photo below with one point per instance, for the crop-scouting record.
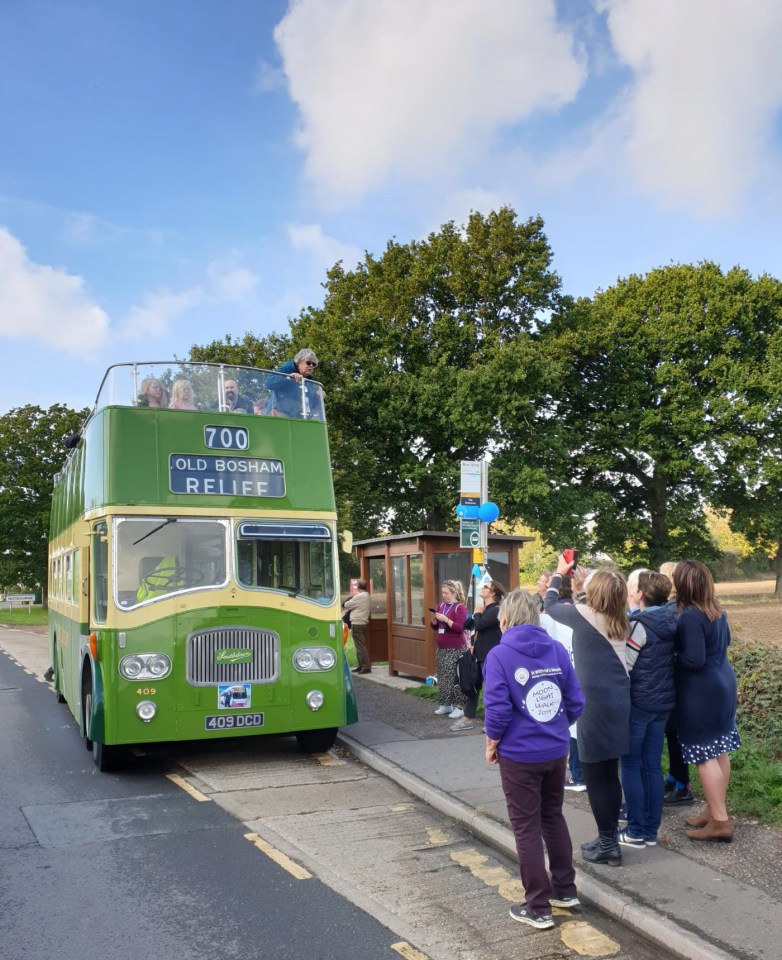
(231, 696)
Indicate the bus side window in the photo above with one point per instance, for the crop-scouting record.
(100, 572)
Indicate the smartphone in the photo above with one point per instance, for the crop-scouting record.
(431, 610)
(571, 556)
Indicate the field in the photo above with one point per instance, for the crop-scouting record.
(753, 612)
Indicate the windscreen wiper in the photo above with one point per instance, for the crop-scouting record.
(165, 523)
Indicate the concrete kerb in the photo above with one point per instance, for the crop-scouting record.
(661, 930)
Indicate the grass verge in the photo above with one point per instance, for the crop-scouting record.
(37, 617)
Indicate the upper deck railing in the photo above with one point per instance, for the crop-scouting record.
(220, 387)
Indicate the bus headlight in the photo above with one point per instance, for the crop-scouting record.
(146, 710)
(131, 668)
(145, 666)
(315, 700)
(326, 658)
(309, 659)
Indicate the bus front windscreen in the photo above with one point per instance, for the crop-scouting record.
(159, 556)
(297, 558)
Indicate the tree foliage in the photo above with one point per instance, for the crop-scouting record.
(612, 422)
(641, 394)
(413, 347)
(32, 451)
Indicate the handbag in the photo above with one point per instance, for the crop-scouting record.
(465, 673)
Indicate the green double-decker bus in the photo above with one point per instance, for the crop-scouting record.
(193, 575)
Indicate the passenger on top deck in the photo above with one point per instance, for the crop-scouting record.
(153, 393)
(286, 398)
(233, 401)
(182, 396)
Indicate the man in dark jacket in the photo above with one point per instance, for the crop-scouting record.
(652, 697)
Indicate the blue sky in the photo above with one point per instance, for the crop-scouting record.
(173, 172)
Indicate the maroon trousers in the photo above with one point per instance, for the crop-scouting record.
(534, 793)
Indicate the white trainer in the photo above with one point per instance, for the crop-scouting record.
(456, 713)
(442, 710)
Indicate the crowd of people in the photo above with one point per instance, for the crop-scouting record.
(281, 396)
(597, 669)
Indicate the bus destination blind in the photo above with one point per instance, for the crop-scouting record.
(226, 475)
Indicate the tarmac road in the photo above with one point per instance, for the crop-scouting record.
(97, 867)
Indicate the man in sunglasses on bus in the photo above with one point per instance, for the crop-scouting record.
(286, 398)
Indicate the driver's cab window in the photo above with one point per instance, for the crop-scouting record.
(160, 556)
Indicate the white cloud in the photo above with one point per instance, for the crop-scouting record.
(412, 86)
(230, 282)
(707, 89)
(154, 320)
(324, 250)
(45, 303)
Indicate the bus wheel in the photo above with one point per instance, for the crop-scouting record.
(87, 701)
(316, 741)
(107, 758)
(56, 677)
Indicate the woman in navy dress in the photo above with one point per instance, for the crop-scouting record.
(705, 695)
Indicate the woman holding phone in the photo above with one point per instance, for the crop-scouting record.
(448, 620)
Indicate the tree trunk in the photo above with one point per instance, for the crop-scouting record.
(778, 570)
(659, 544)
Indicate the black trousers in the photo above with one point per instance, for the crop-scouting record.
(604, 790)
(677, 767)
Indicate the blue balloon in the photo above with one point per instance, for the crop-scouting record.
(470, 512)
(460, 508)
(488, 512)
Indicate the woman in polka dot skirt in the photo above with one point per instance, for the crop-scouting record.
(705, 696)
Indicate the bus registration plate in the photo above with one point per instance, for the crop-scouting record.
(236, 721)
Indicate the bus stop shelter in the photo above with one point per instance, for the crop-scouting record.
(404, 573)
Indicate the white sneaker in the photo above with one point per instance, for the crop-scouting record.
(456, 713)
(442, 710)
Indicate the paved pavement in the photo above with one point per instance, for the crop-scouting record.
(702, 901)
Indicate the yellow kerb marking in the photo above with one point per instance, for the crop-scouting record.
(328, 760)
(279, 857)
(481, 867)
(400, 807)
(408, 952)
(187, 787)
(587, 941)
(438, 838)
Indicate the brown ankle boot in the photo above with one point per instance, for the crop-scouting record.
(721, 830)
(700, 819)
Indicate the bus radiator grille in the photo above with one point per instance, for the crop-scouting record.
(204, 670)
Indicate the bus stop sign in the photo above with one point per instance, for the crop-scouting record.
(469, 533)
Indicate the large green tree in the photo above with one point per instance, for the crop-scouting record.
(418, 349)
(641, 386)
(748, 458)
(32, 451)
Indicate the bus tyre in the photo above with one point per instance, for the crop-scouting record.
(106, 758)
(87, 700)
(316, 741)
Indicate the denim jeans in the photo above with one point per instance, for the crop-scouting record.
(574, 763)
(642, 774)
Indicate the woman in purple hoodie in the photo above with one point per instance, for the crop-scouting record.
(531, 696)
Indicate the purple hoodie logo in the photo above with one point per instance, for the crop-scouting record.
(521, 675)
